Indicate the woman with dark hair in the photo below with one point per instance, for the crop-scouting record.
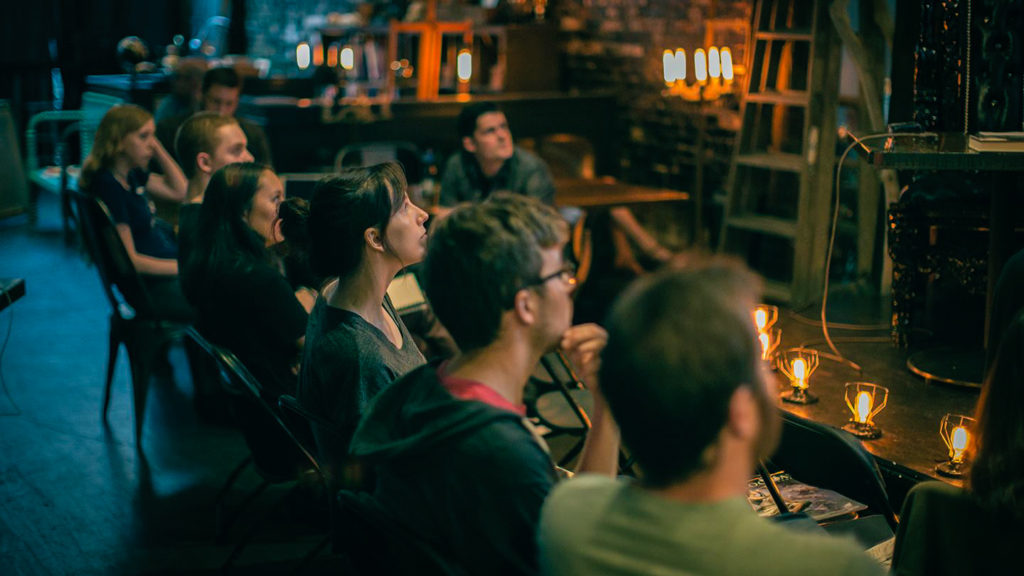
(116, 172)
(242, 299)
(976, 530)
(363, 231)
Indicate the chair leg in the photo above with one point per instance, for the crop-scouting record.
(113, 348)
(218, 503)
(140, 362)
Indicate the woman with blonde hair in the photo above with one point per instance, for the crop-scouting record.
(116, 172)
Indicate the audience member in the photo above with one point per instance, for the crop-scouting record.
(243, 301)
(205, 143)
(186, 82)
(222, 88)
(683, 377)
(489, 161)
(363, 230)
(457, 463)
(945, 530)
(115, 172)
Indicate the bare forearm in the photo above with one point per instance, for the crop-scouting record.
(601, 449)
(155, 266)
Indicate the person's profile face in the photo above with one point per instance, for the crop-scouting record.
(221, 99)
(231, 147)
(406, 233)
(492, 139)
(262, 214)
(137, 146)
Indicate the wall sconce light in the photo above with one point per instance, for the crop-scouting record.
(956, 435)
(798, 364)
(765, 316)
(712, 73)
(302, 55)
(347, 58)
(865, 400)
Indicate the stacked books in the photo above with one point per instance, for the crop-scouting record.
(997, 142)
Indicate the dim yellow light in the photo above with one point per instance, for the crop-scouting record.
(348, 58)
(464, 65)
(700, 65)
(302, 55)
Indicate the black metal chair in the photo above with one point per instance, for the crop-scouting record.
(134, 321)
(822, 456)
(242, 385)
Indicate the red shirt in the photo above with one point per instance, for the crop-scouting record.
(472, 390)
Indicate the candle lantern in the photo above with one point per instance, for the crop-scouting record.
(956, 431)
(798, 364)
(865, 400)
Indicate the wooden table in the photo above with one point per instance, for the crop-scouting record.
(604, 192)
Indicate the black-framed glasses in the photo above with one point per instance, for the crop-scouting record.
(566, 273)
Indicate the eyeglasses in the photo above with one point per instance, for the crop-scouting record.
(567, 274)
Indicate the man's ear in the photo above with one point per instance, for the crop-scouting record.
(468, 144)
(524, 306)
(204, 162)
(744, 417)
(373, 239)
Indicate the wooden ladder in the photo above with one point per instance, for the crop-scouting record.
(780, 179)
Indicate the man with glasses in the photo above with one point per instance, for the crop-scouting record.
(457, 463)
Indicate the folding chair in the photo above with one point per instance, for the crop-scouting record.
(134, 321)
(239, 382)
(62, 176)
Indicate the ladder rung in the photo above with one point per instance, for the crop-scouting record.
(764, 224)
(773, 161)
(788, 97)
(795, 35)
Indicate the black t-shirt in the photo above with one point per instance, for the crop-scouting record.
(132, 206)
(188, 229)
(252, 311)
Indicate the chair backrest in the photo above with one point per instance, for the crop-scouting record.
(94, 107)
(369, 153)
(945, 532)
(820, 455)
(241, 381)
(124, 288)
(376, 543)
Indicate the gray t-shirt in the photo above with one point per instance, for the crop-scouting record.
(524, 173)
(346, 362)
(596, 525)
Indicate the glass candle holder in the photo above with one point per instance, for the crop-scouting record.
(798, 364)
(956, 431)
(865, 400)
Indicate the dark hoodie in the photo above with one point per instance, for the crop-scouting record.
(467, 477)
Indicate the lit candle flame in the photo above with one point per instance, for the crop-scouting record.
(765, 344)
(958, 440)
(761, 319)
(700, 65)
(726, 56)
(302, 55)
(348, 58)
(464, 65)
(714, 63)
(800, 372)
(863, 406)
